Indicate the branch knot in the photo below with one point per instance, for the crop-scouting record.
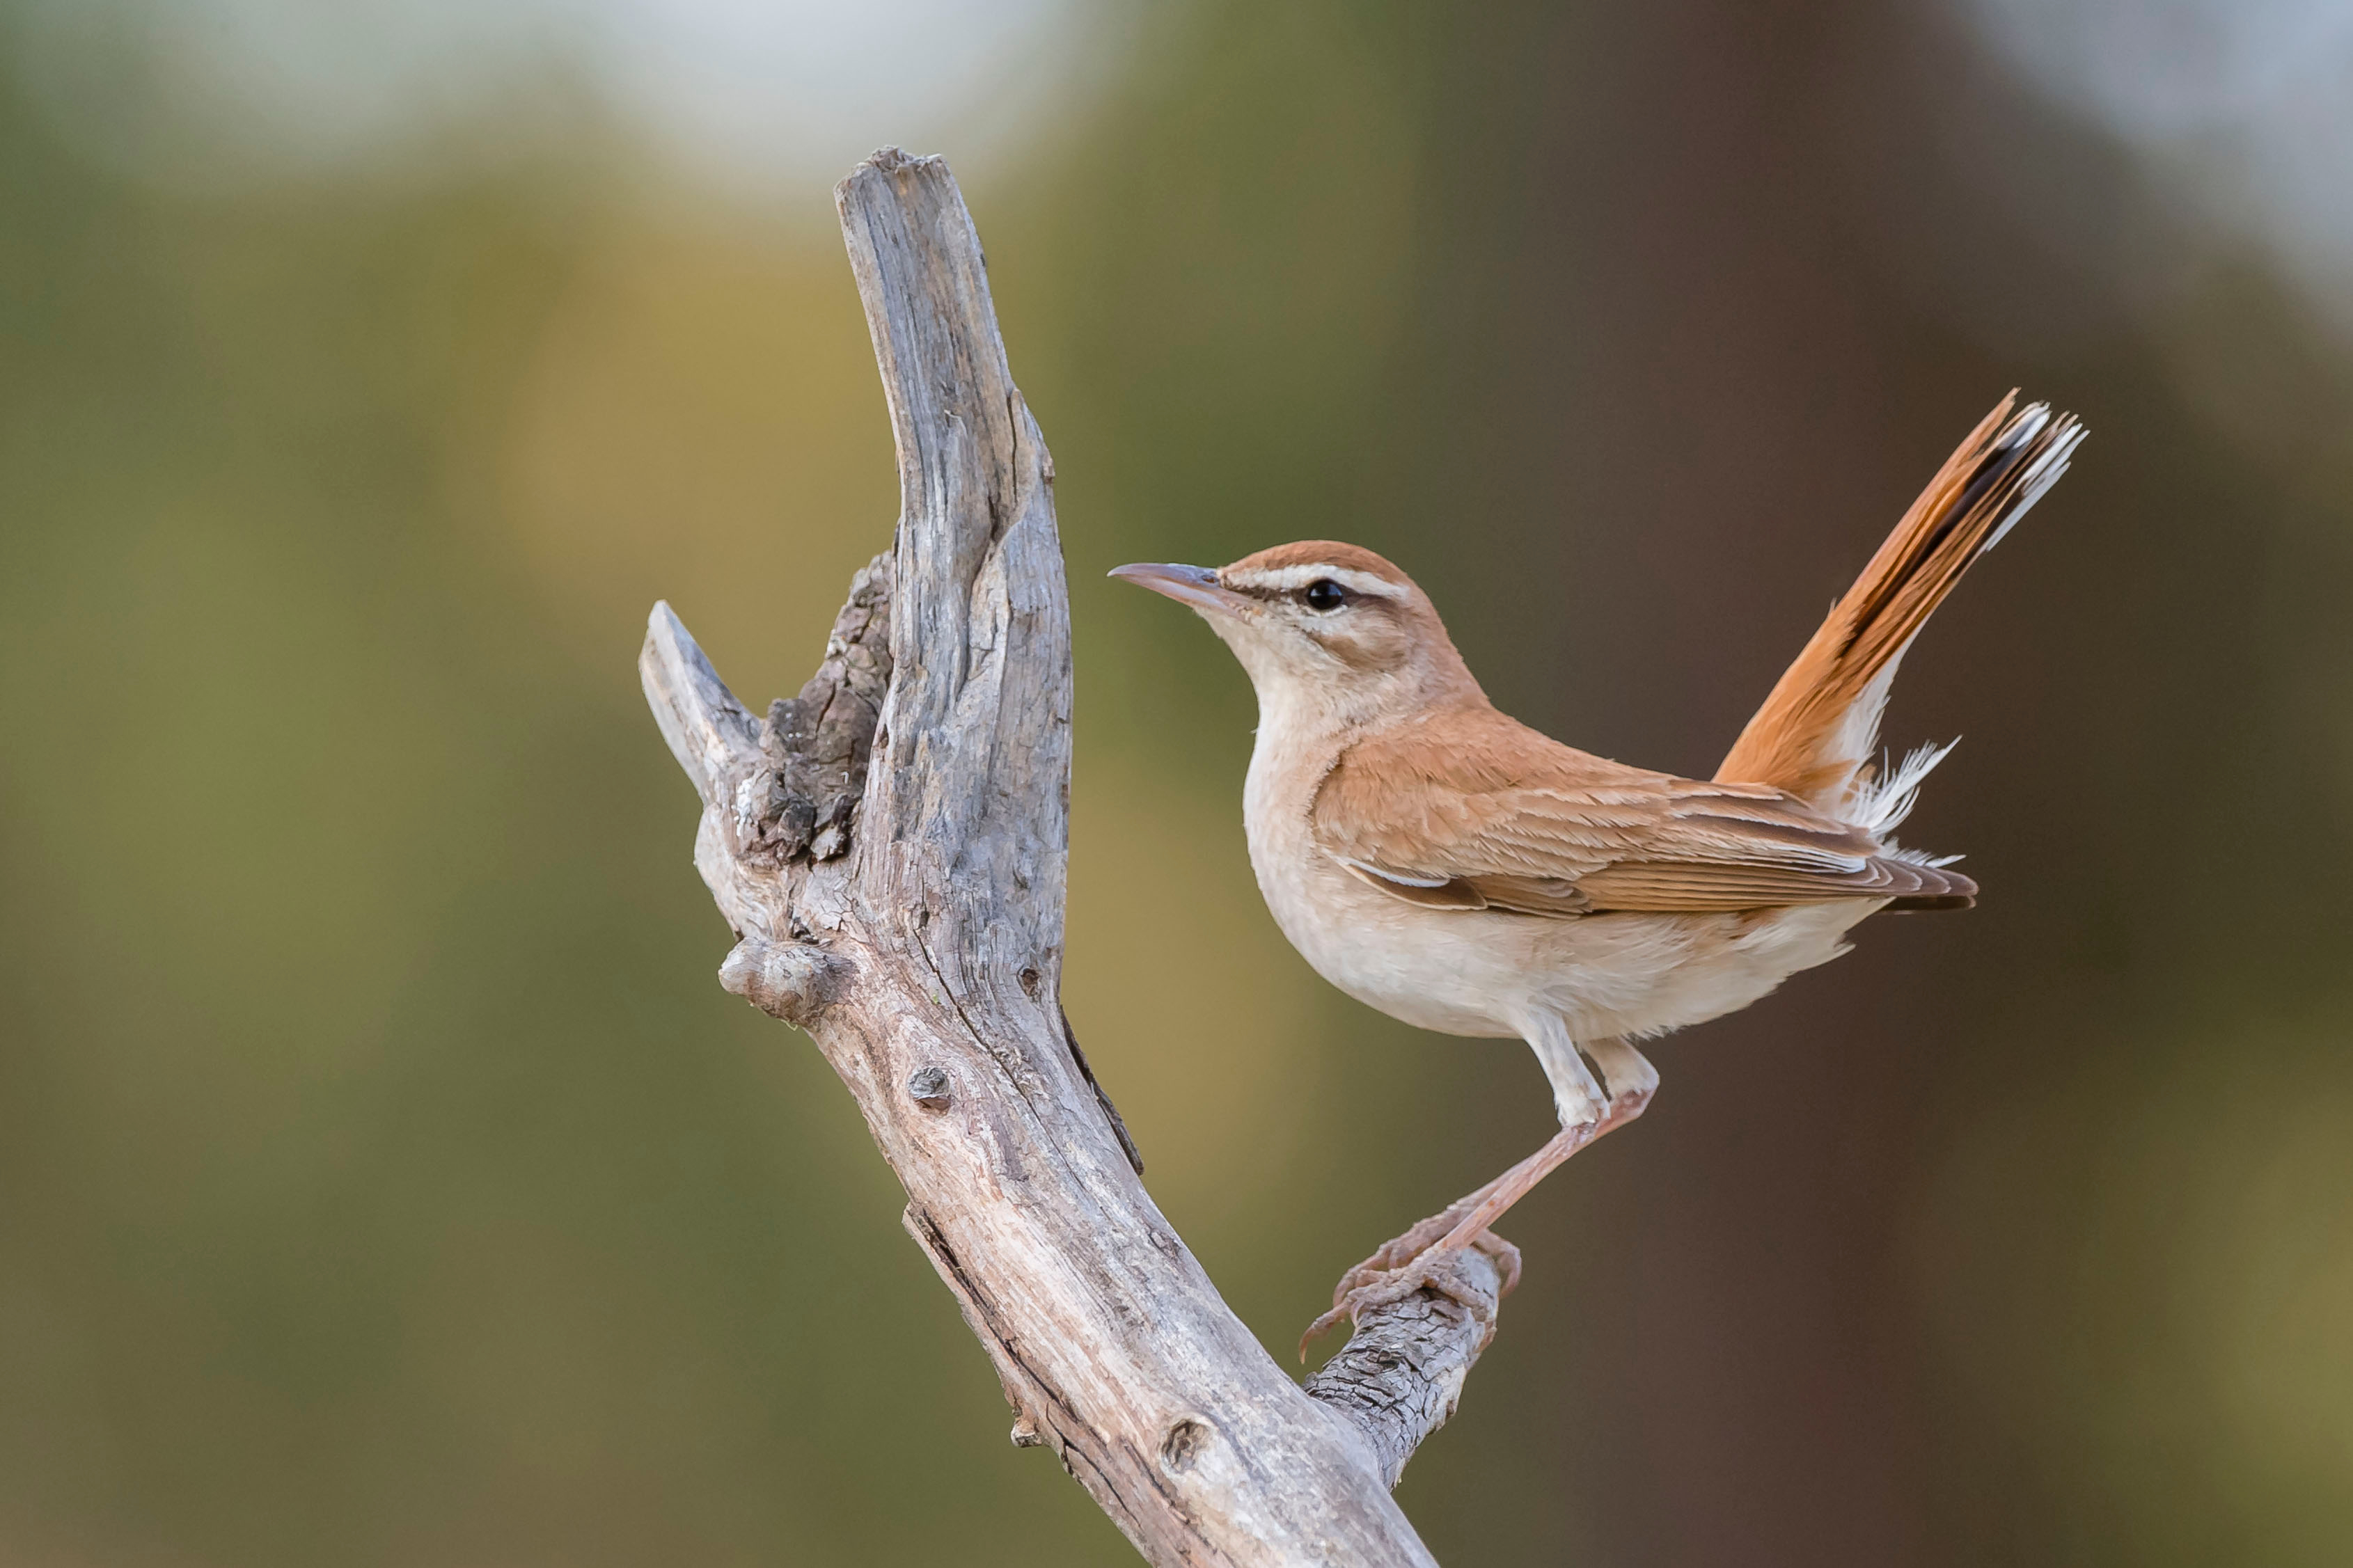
(794, 981)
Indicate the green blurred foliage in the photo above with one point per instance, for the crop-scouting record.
(382, 1178)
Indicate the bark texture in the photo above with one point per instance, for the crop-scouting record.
(890, 847)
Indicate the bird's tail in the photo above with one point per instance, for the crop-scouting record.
(1815, 734)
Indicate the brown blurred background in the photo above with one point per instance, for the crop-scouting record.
(384, 1179)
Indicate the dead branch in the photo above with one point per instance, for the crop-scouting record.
(890, 848)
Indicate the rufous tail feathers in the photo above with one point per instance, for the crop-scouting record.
(1815, 734)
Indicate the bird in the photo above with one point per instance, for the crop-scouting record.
(1452, 868)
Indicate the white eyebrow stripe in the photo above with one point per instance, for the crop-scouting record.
(1291, 579)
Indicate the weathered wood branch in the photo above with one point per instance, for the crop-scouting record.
(890, 848)
(1400, 1375)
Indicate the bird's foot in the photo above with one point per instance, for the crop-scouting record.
(1423, 1238)
(1425, 1257)
(1428, 1256)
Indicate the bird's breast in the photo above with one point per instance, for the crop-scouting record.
(1429, 968)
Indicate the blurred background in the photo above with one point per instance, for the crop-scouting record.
(384, 1177)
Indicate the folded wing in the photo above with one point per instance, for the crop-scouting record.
(1469, 809)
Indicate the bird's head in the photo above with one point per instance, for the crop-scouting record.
(1329, 631)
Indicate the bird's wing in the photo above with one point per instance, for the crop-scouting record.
(1467, 809)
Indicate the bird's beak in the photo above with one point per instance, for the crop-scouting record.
(1195, 585)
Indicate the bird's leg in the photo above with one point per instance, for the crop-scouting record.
(1632, 1079)
(1587, 1111)
(1425, 1255)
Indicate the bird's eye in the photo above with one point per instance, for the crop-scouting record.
(1324, 596)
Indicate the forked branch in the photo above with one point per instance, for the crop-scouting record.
(889, 847)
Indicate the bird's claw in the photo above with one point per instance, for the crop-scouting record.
(1412, 1262)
